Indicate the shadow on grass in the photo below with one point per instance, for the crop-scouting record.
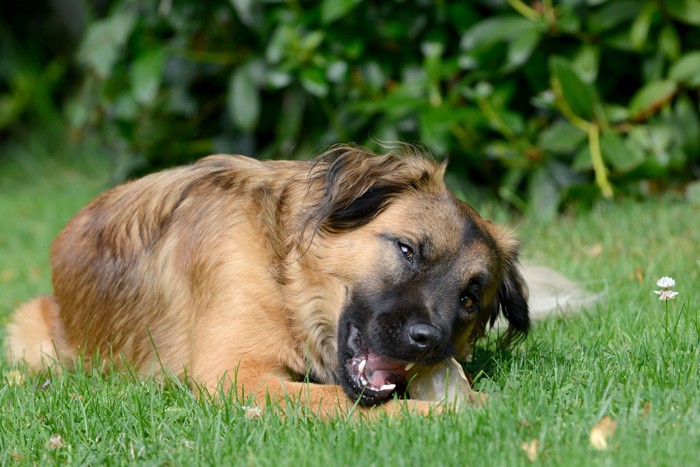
(489, 361)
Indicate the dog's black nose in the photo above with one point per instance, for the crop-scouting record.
(425, 338)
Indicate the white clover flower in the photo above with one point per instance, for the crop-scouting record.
(665, 282)
(252, 413)
(55, 441)
(666, 294)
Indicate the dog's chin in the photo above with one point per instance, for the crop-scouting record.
(368, 377)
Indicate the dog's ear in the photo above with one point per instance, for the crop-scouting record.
(512, 296)
(512, 293)
(353, 185)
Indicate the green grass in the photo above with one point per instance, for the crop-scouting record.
(617, 360)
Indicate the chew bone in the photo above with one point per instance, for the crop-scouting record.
(445, 381)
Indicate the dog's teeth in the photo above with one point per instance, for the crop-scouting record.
(361, 367)
(363, 380)
(409, 366)
(387, 387)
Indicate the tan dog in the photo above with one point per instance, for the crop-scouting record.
(341, 272)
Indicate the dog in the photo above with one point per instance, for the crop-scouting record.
(317, 281)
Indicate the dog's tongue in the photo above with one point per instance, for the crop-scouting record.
(382, 370)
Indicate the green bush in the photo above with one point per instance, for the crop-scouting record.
(542, 102)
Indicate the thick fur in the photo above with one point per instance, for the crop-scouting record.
(252, 272)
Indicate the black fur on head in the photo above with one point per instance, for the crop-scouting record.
(353, 185)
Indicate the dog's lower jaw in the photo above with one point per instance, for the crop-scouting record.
(366, 377)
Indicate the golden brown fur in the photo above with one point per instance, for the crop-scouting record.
(239, 269)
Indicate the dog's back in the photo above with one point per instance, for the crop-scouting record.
(124, 264)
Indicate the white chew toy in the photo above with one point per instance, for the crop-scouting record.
(445, 381)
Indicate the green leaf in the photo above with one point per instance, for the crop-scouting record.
(521, 48)
(243, 100)
(687, 123)
(496, 29)
(651, 97)
(432, 49)
(561, 137)
(125, 107)
(513, 121)
(640, 27)
(336, 71)
(103, 41)
(507, 39)
(246, 11)
(669, 42)
(288, 128)
(75, 110)
(146, 74)
(568, 19)
(312, 40)
(583, 162)
(653, 67)
(332, 10)
(467, 62)
(436, 124)
(621, 156)
(14, 102)
(284, 38)
(657, 140)
(692, 193)
(616, 113)
(579, 95)
(374, 75)
(434, 135)
(508, 190)
(398, 104)
(277, 79)
(544, 195)
(482, 90)
(314, 81)
(612, 14)
(587, 62)
(685, 11)
(686, 69)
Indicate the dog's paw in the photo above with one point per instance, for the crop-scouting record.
(478, 399)
(398, 407)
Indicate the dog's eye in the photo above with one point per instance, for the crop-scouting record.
(468, 302)
(407, 251)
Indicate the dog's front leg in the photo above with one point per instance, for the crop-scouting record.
(329, 401)
(324, 400)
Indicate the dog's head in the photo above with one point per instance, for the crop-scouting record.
(424, 274)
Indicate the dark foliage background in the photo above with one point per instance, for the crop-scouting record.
(545, 104)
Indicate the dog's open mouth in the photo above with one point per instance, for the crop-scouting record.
(373, 377)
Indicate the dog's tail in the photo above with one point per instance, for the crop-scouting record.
(36, 334)
(553, 294)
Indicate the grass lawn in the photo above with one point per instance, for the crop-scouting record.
(619, 359)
